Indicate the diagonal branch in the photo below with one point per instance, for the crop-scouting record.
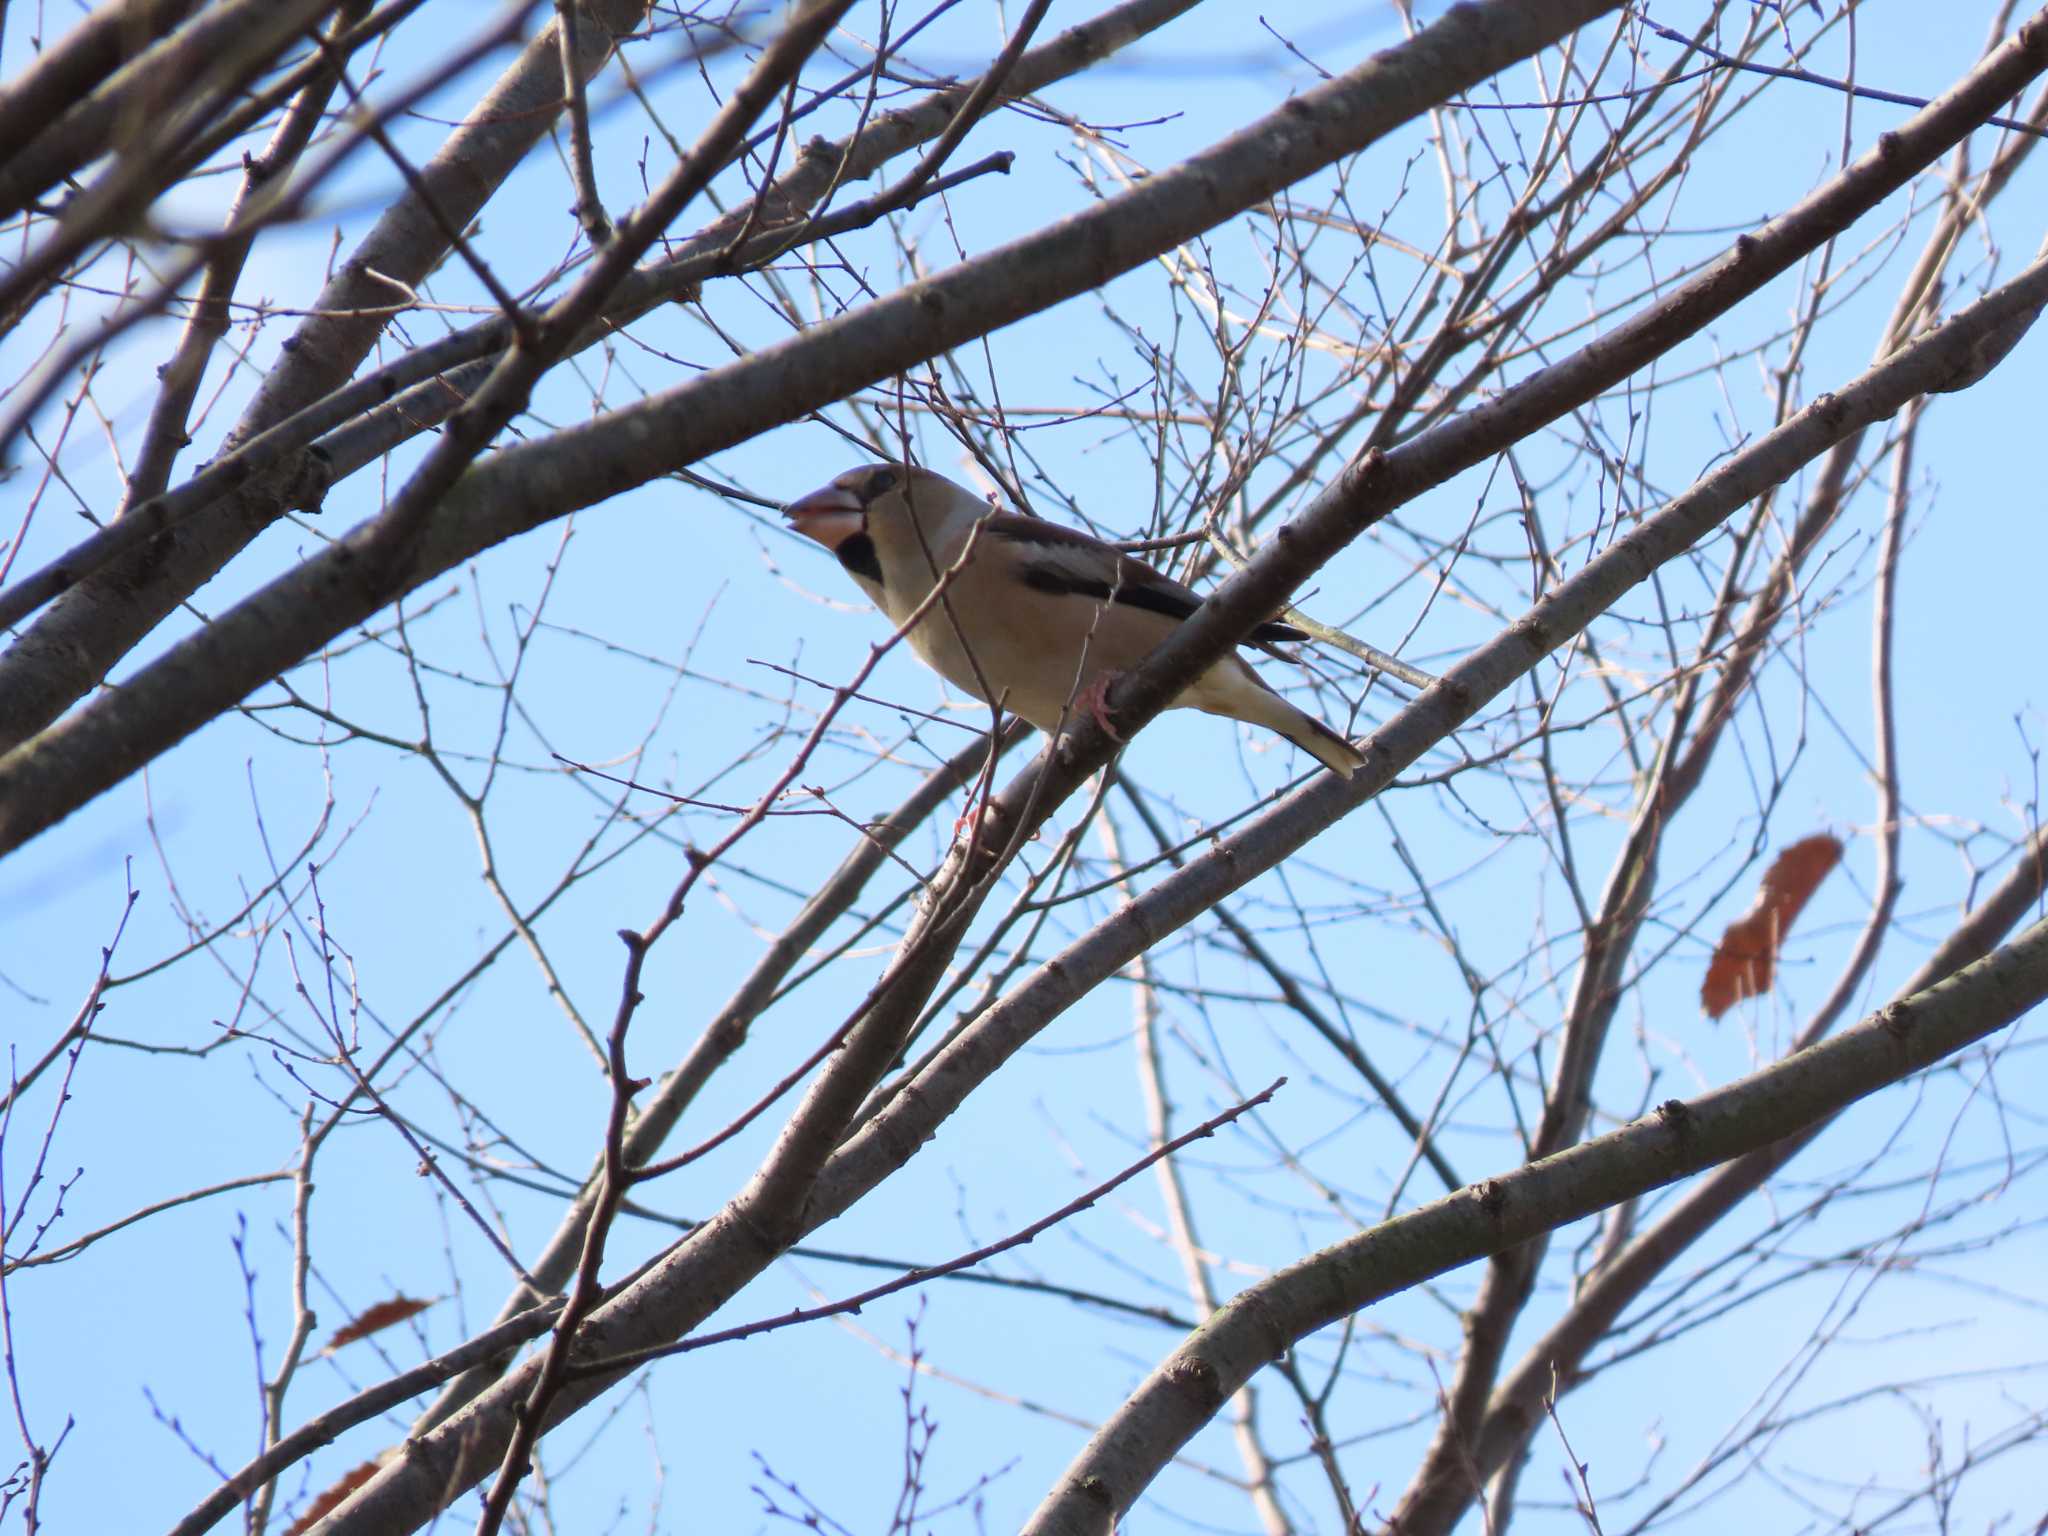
(1681, 1137)
(73, 646)
(292, 462)
(524, 486)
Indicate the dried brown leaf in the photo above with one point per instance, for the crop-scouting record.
(1746, 960)
(374, 1319)
(332, 1497)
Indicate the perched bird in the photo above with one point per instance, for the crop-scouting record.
(1040, 618)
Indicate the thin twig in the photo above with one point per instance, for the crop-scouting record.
(614, 1365)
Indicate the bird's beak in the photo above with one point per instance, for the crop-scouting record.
(831, 515)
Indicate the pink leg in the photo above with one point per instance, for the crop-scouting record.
(1095, 699)
(976, 806)
(963, 825)
(969, 812)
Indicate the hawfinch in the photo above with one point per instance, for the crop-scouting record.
(1040, 619)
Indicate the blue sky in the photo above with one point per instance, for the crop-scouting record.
(668, 610)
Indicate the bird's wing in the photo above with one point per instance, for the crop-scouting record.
(1060, 561)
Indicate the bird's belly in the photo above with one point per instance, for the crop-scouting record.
(1032, 669)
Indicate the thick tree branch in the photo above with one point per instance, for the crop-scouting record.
(776, 1206)
(1681, 1137)
(806, 1181)
(1443, 1487)
(1517, 1403)
(70, 648)
(74, 65)
(924, 1104)
(728, 1030)
(191, 73)
(293, 462)
(524, 486)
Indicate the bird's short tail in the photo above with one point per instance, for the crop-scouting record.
(1246, 697)
(1320, 742)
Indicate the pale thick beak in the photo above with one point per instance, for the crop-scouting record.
(831, 515)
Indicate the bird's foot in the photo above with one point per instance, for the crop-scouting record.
(983, 825)
(1095, 699)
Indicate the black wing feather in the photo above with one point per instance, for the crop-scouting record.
(1174, 602)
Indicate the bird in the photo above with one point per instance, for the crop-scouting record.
(1038, 618)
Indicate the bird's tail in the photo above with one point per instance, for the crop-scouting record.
(1243, 695)
(1318, 740)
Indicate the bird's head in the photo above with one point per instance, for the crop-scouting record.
(881, 501)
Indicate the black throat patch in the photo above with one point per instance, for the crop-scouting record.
(857, 554)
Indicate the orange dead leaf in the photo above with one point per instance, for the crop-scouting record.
(374, 1319)
(1746, 959)
(331, 1498)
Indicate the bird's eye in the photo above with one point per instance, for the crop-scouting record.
(881, 482)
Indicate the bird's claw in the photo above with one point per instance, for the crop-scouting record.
(1095, 699)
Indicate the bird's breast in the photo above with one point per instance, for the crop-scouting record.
(1029, 646)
